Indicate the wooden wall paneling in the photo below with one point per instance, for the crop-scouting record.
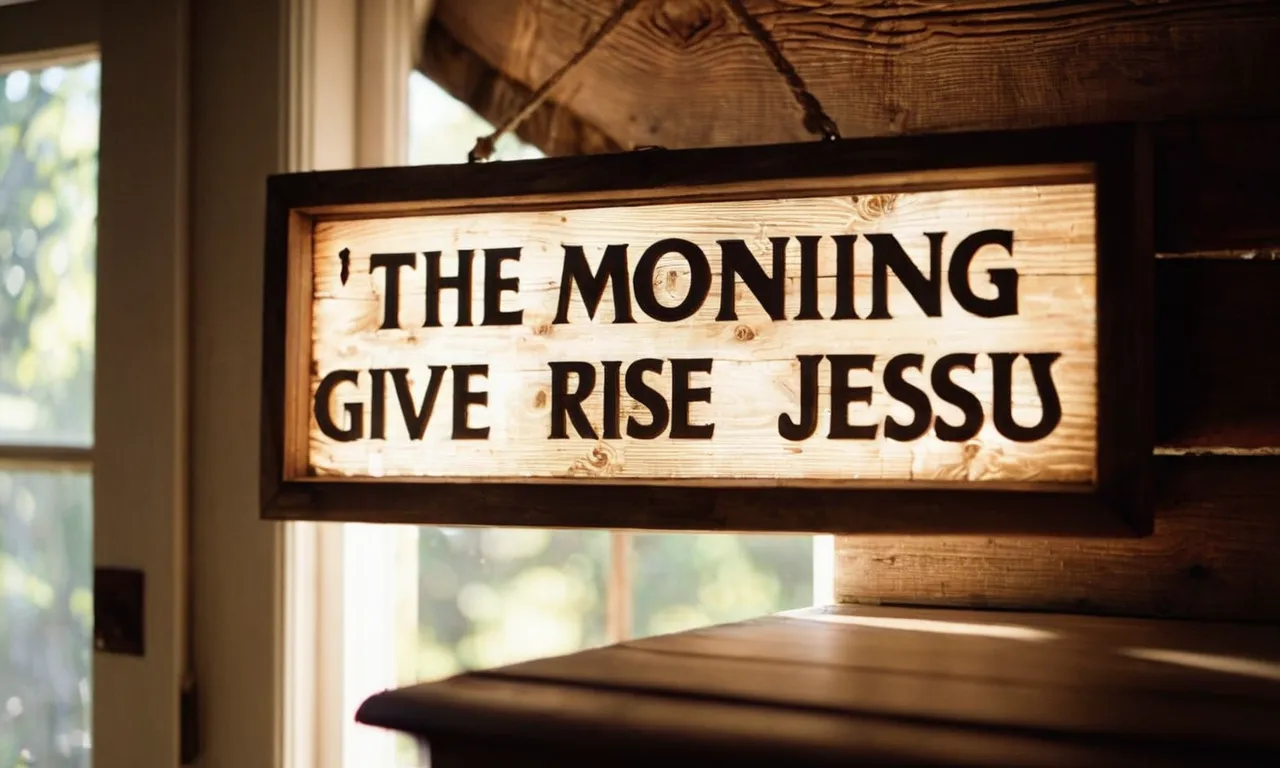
(1218, 353)
(1212, 556)
(683, 73)
(1224, 172)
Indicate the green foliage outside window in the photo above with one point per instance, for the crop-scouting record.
(48, 213)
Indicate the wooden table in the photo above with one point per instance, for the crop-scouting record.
(869, 685)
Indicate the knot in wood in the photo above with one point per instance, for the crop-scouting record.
(687, 22)
(743, 333)
(872, 207)
(600, 461)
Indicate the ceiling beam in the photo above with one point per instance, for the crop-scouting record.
(681, 73)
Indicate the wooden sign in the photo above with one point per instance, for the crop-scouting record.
(471, 344)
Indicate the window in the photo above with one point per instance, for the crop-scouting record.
(48, 211)
(425, 603)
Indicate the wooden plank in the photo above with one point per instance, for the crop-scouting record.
(999, 648)
(1114, 696)
(749, 365)
(496, 97)
(1211, 556)
(465, 718)
(683, 73)
(1084, 712)
(843, 683)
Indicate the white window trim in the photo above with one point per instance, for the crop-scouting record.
(344, 586)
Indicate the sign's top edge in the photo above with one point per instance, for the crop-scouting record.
(933, 150)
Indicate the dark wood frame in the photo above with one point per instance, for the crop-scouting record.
(1120, 504)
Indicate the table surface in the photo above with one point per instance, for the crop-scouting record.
(874, 685)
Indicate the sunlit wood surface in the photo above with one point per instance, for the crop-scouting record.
(854, 685)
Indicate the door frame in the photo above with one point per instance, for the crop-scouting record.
(200, 102)
(139, 455)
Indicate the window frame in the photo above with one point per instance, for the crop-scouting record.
(53, 457)
(138, 455)
(43, 455)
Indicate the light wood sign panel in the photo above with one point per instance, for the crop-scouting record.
(882, 329)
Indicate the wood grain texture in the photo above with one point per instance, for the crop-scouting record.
(682, 73)
(821, 684)
(479, 722)
(755, 375)
(495, 97)
(993, 647)
(1211, 556)
(1007, 680)
(909, 165)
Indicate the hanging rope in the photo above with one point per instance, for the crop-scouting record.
(816, 121)
(484, 147)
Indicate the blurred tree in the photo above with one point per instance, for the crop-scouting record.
(685, 580)
(48, 212)
(492, 596)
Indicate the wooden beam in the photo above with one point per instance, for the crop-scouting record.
(470, 79)
(683, 73)
(1212, 556)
